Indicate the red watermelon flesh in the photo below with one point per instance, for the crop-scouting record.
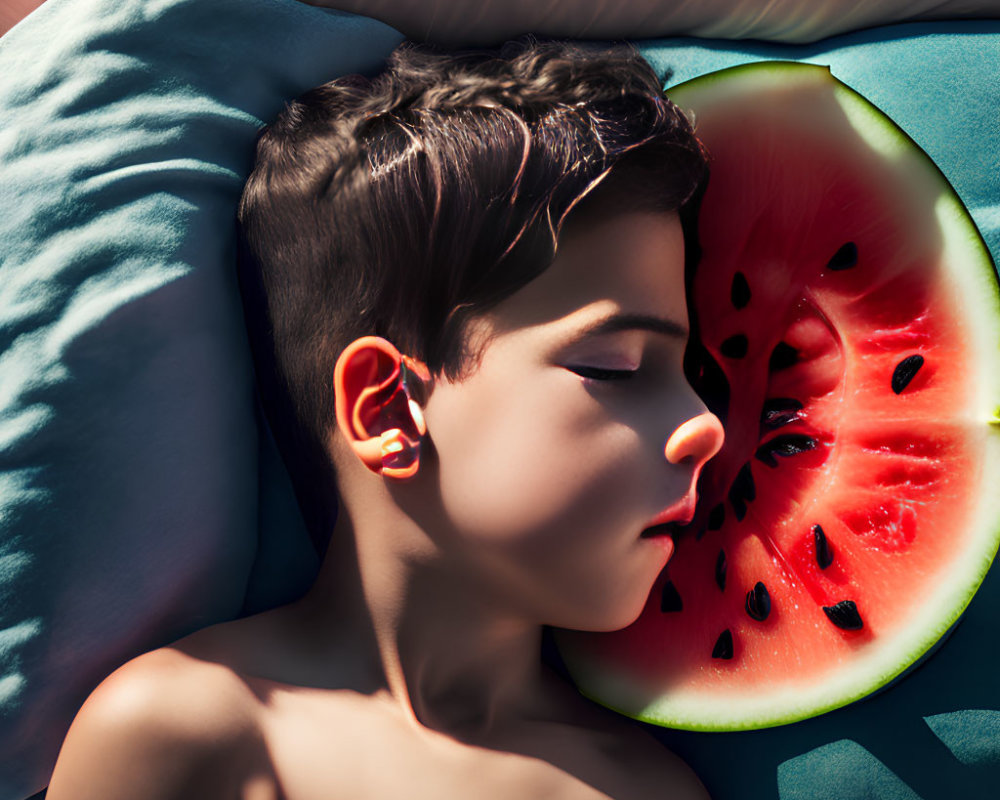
(846, 312)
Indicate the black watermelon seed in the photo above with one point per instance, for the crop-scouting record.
(720, 570)
(845, 258)
(742, 491)
(783, 355)
(758, 602)
(716, 517)
(745, 479)
(789, 444)
(735, 346)
(904, 372)
(739, 505)
(778, 411)
(670, 600)
(739, 292)
(723, 645)
(744, 484)
(824, 554)
(782, 404)
(845, 615)
(709, 381)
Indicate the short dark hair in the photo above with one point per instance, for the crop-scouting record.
(403, 206)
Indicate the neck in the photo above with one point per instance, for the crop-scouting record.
(439, 644)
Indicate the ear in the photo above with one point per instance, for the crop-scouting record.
(374, 385)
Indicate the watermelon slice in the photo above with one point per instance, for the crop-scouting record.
(846, 329)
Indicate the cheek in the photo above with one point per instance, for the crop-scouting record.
(545, 496)
(535, 465)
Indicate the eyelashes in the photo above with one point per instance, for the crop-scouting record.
(602, 374)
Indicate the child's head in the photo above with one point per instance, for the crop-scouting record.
(410, 205)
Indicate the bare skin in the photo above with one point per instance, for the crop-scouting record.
(411, 668)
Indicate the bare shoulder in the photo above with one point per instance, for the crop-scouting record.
(637, 765)
(655, 771)
(164, 725)
(612, 753)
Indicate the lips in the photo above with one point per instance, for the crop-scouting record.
(672, 518)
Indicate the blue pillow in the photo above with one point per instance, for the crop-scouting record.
(134, 493)
(936, 733)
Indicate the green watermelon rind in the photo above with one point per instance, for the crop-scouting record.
(974, 278)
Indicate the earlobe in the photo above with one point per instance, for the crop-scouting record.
(377, 391)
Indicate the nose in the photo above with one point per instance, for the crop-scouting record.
(698, 439)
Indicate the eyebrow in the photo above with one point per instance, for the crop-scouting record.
(632, 322)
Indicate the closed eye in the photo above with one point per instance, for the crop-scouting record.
(602, 374)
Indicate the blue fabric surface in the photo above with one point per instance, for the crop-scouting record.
(936, 732)
(133, 486)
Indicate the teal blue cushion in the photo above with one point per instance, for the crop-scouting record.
(936, 733)
(132, 478)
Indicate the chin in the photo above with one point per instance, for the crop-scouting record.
(623, 621)
(614, 600)
(614, 616)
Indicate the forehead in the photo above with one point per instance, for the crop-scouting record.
(630, 263)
